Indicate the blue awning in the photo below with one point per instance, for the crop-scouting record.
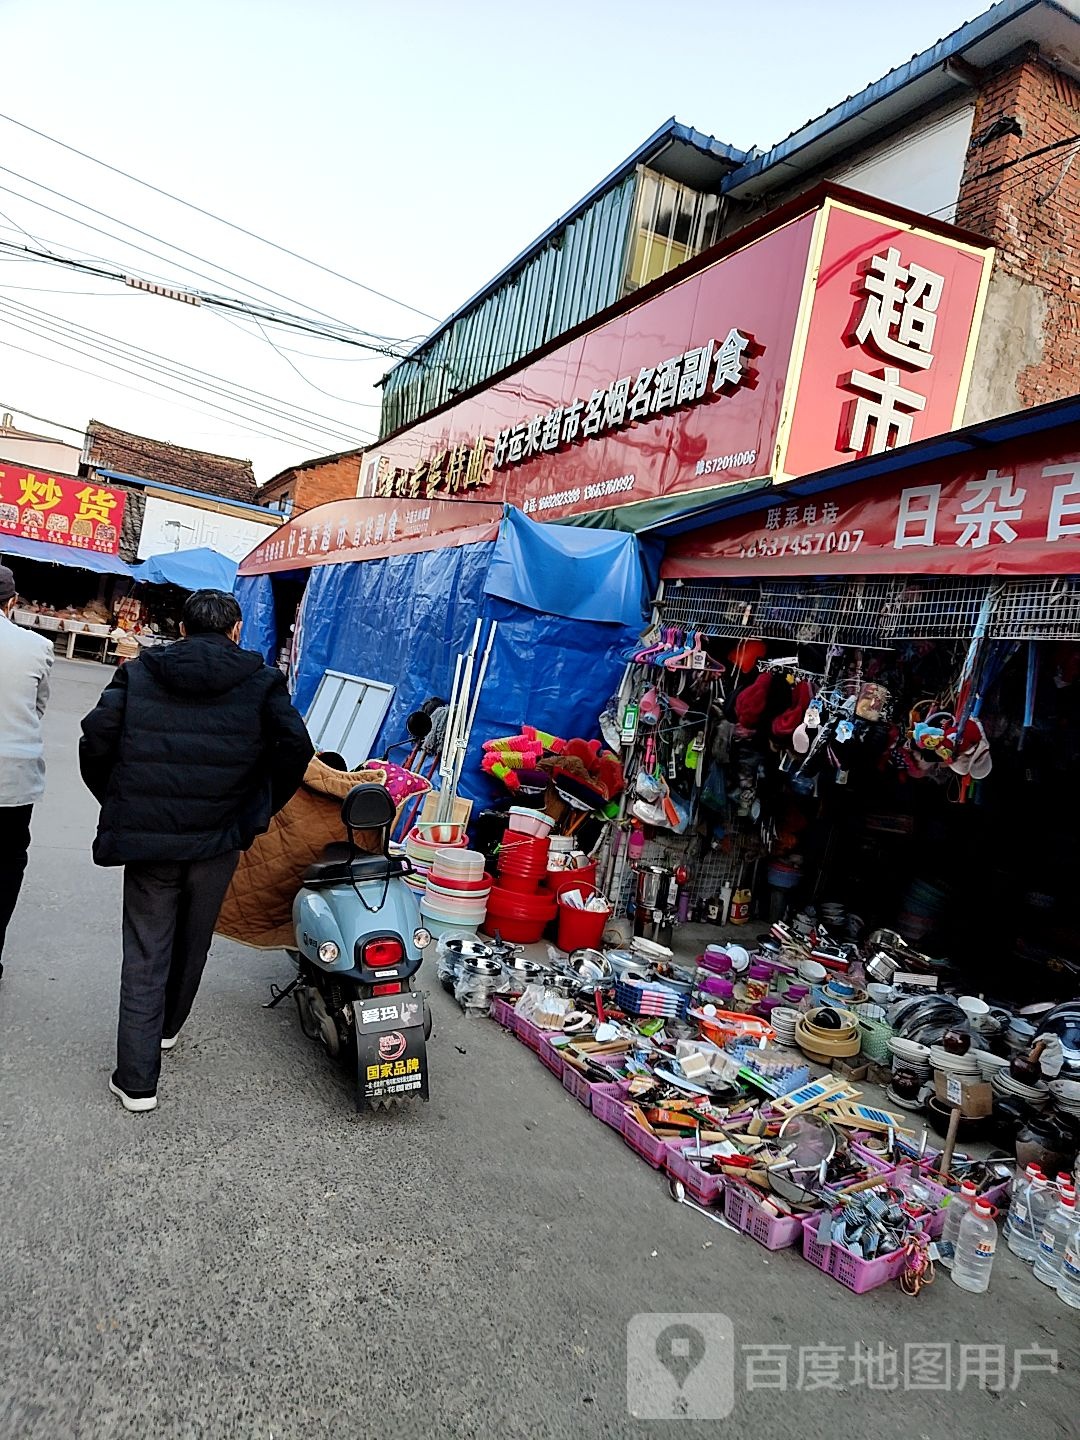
(199, 569)
(574, 573)
(48, 554)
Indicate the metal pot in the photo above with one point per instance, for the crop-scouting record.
(882, 968)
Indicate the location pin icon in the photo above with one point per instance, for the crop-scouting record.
(680, 1349)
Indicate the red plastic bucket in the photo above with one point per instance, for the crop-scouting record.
(559, 880)
(581, 929)
(519, 918)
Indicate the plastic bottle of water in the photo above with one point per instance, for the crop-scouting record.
(975, 1248)
(1068, 1285)
(1021, 1183)
(955, 1211)
(1052, 1239)
(1031, 1206)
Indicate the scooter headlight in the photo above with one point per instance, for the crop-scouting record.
(421, 938)
(328, 952)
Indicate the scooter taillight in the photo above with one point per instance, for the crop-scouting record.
(383, 954)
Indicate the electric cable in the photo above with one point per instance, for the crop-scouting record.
(220, 219)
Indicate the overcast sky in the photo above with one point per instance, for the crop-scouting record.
(415, 147)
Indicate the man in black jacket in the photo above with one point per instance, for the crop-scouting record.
(190, 750)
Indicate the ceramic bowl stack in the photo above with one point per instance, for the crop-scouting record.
(909, 1059)
(945, 1062)
(825, 1042)
(784, 1020)
(1019, 1035)
(456, 895)
(989, 1064)
(1007, 1087)
(1066, 1096)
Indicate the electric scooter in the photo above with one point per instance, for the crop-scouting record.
(360, 944)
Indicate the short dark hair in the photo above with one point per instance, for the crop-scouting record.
(211, 612)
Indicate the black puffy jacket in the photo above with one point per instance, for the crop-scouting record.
(190, 750)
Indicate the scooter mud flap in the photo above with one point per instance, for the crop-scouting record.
(391, 1054)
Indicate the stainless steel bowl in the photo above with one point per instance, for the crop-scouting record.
(466, 949)
(481, 966)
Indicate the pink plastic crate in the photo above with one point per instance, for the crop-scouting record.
(743, 1208)
(581, 1088)
(550, 1056)
(528, 1033)
(851, 1271)
(502, 1012)
(654, 1152)
(702, 1185)
(607, 1103)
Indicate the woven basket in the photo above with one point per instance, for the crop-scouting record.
(874, 1032)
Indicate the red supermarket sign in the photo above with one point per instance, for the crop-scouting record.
(1020, 516)
(60, 509)
(346, 530)
(842, 333)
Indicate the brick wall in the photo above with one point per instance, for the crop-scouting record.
(1030, 209)
(335, 478)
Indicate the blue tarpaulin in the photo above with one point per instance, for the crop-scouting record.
(44, 552)
(199, 569)
(574, 573)
(401, 620)
(557, 656)
(255, 594)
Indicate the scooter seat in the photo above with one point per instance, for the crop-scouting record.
(337, 868)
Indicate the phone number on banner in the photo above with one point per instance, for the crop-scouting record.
(824, 542)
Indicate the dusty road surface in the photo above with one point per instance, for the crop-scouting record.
(254, 1260)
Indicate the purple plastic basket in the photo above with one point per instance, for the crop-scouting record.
(701, 1185)
(502, 1012)
(850, 1270)
(743, 1208)
(579, 1086)
(550, 1056)
(608, 1102)
(653, 1151)
(528, 1033)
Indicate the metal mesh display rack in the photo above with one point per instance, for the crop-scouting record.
(876, 613)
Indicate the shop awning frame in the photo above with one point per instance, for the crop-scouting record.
(46, 553)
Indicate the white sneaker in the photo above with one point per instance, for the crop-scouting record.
(167, 1043)
(135, 1103)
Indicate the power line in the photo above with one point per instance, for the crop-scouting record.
(362, 404)
(147, 235)
(208, 300)
(72, 327)
(269, 431)
(209, 214)
(263, 434)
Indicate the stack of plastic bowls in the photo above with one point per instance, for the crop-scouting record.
(523, 862)
(529, 822)
(455, 899)
(421, 850)
(518, 909)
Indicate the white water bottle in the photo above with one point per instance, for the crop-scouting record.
(1032, 1204)
(1020, 1185)
(1068, 1285)
(955, 1211)
(1052, 1239)
(975, 1248)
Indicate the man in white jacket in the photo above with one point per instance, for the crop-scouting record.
(25, 661)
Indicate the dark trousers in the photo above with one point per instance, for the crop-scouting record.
(170, 910)
(14, 844)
